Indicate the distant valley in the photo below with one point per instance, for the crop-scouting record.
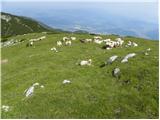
(93, 24)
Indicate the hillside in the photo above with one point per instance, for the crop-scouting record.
(18, 25)
(93, 91)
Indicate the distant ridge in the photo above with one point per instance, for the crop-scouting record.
(17, 25)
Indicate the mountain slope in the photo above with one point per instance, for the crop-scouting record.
(16, 25)
(93, 92)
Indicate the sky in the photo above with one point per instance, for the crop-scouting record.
(83, 0)
(144, 10)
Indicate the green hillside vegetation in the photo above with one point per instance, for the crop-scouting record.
(18, 25)
(93, 91)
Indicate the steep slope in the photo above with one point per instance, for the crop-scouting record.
(93, 92)
(16, 25)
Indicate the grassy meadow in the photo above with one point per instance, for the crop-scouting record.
(93, 91)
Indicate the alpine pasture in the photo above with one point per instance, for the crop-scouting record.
(93, 91)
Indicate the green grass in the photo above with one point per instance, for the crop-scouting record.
(93, 93)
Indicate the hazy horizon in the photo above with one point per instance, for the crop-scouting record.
(91, 16)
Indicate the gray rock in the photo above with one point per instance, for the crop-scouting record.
(116, 72)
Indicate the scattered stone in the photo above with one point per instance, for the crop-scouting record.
(112, 59)
(86, 62)
(66, 81)
(29, 92)
(116, 72)
(146, 53)
(35, 84)
(149, 49)
(54, 49)
(118, 110)
(125, 59)
(5, 108)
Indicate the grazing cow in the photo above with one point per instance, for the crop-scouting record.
(85, 40)
(59, 43)
(73, 38)
(113, 44)
(65, 39)
(97, 37)
(146, 53)
(82, 40)
(68, 42)
(109, 45)
(125, 59)
(38, 39)
(88, 40)
(41, 38)
(29, 44)
(130, 44)
(135, 44)
(86, 62)
(42, 86)
(119, 41)
(98, 41)
(149, 49)
(107, 40)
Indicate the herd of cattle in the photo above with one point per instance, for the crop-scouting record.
(108, 44)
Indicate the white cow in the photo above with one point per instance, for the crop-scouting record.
(43, 37)
(68, 42)
(119, 41)
(59, 43)
(65, 39)
(107, 40)
(146, 53)
(97, 37)
(73, 38)
(98, 41)
(149, 49)
(88, 40)
(130, 44)
(135, 44)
